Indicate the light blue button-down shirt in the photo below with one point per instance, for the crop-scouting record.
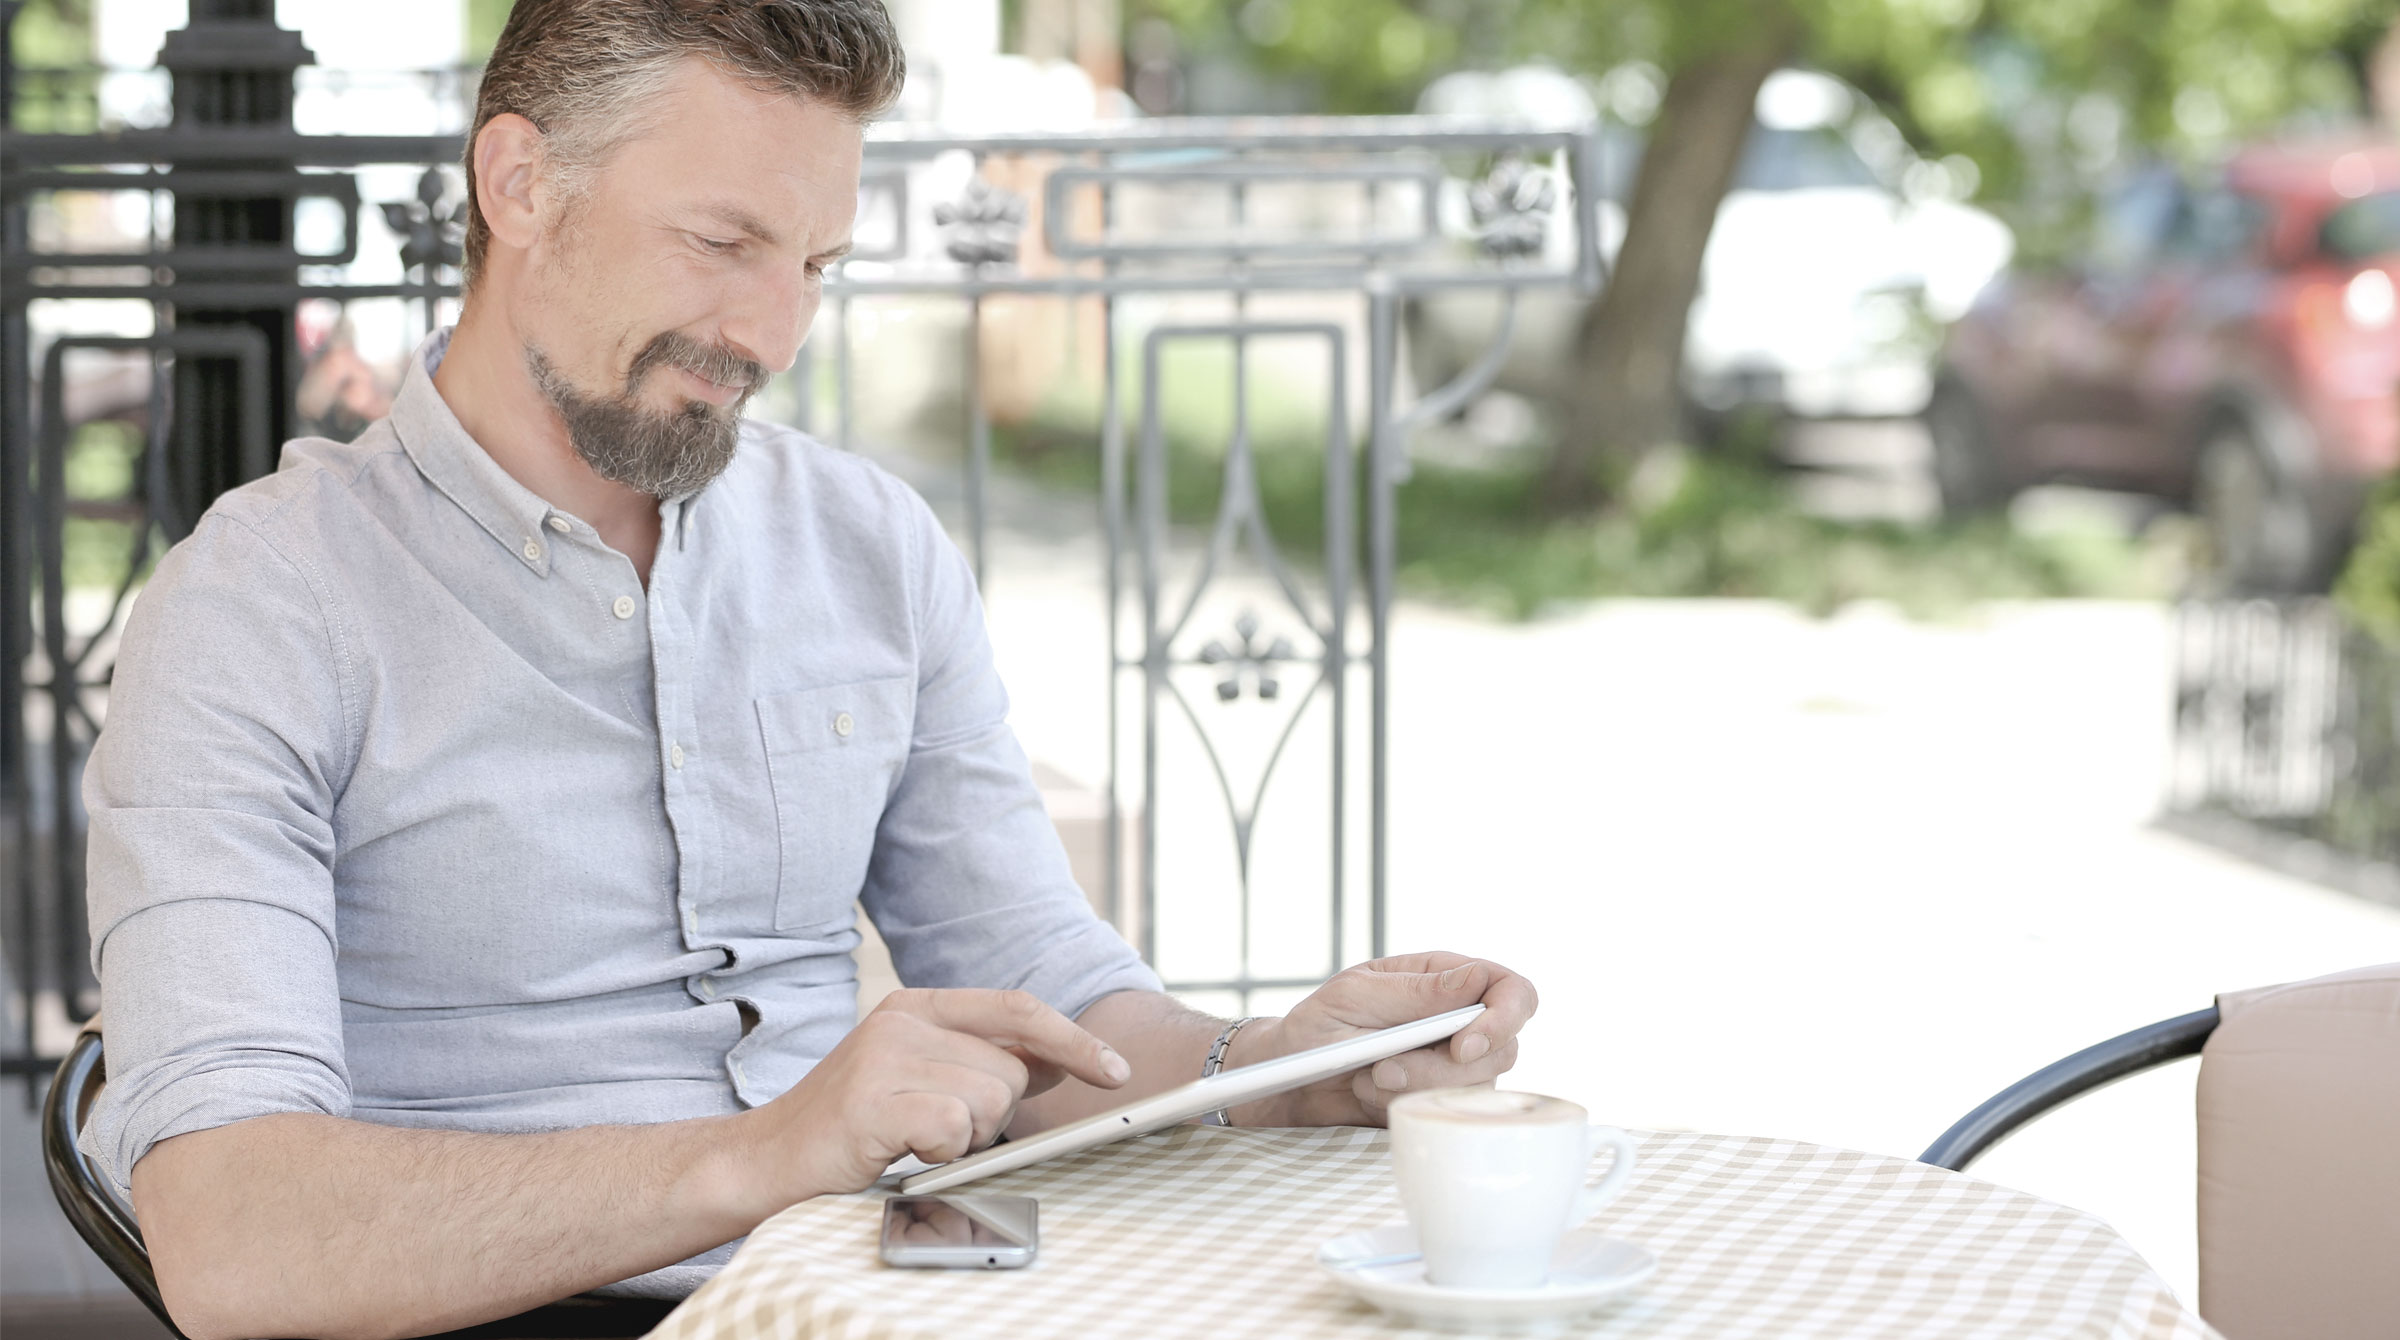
(414, 806)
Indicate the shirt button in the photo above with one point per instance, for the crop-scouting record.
(738, 1076)
(675, 756)
(624, 607)
(708, 989)
(559, 524)
(843, 725)
(691, 923)
(533, 550)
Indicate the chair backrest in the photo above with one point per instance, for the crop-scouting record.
(2299, 1112)
(107, 1226)
(103, 1220)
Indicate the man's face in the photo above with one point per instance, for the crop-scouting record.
(688, 273)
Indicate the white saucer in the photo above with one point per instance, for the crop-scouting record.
(1587, 1271)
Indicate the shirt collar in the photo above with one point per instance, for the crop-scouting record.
(452, 461)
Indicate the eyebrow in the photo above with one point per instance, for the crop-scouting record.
(736, 217)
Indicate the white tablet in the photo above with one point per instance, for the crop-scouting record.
(1230, 1088)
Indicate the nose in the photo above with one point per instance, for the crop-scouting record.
(768, 315)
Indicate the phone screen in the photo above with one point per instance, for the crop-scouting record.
(960, 1230)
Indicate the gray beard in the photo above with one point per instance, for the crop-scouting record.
(664, 455)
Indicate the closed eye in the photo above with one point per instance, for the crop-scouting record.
(715, 246)
(820, 263)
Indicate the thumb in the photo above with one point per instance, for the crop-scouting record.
(1405, 997)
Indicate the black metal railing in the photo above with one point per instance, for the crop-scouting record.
(197, 308)
(1130, 223)
(2288, 717)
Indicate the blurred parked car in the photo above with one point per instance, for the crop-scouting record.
(2230, 345)
(1825, 283)
(1834, 259)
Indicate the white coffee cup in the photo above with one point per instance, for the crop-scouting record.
(1492, 1180)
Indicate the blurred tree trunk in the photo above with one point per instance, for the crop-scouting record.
(2383, 79)
(1625, 396)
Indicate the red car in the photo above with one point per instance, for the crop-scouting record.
(2231, 345)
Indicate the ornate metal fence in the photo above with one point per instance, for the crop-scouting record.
(1183, 210)
(1146, 222)
(2288, 716)
(203, 308)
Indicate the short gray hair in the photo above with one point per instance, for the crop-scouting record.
(581, 70)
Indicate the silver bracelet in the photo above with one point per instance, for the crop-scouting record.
(1216, 1062)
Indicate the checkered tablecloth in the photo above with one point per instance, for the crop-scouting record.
(1206, 1232)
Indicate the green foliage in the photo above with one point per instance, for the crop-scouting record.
(2047, 96)
(52, 33)
(97, 551)
(1718, 525)
(2031, 90)
(2363, 814)
(1361, 57)
(484, 20)
(101, 459)
(1728, 528)
(2370, 586)
(56, 93)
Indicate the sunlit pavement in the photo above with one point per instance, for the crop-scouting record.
(1838, 880)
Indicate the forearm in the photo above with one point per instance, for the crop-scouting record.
(1166, 1042)
(312, 1225)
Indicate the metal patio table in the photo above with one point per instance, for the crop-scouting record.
(1206, 1232)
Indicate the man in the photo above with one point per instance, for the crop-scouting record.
(483, 802)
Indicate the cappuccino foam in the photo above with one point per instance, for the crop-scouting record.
(1493, 1107)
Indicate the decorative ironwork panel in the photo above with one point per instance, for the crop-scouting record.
(1260, 695)
(1173, 620)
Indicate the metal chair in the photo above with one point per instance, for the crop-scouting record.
(2294, 1110)
(107, 1226)
(2061, 1081)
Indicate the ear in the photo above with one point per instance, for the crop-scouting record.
(508, 154)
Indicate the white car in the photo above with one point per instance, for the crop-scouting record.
(1836, 257)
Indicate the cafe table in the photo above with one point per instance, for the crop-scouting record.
(1211, 1232)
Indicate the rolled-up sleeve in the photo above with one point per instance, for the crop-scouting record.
(969, 884)
(210, 869)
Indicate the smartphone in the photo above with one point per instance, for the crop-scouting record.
(963, 1232)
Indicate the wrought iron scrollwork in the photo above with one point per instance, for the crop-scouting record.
(1246, 655)
(1512, 206)
(429, 234)
(983, 227)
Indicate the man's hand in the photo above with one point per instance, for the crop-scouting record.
(1380, 994)
(936, 1074)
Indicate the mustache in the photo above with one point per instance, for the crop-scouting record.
(715, 362)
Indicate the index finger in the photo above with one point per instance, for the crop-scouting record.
(1019, 1021)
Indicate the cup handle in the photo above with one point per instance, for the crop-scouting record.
(1591, 1198)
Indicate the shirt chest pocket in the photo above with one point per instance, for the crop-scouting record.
(833, 756)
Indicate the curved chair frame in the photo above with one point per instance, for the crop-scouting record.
(104, 1222)
(107, 1226)
(2056, 1083)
